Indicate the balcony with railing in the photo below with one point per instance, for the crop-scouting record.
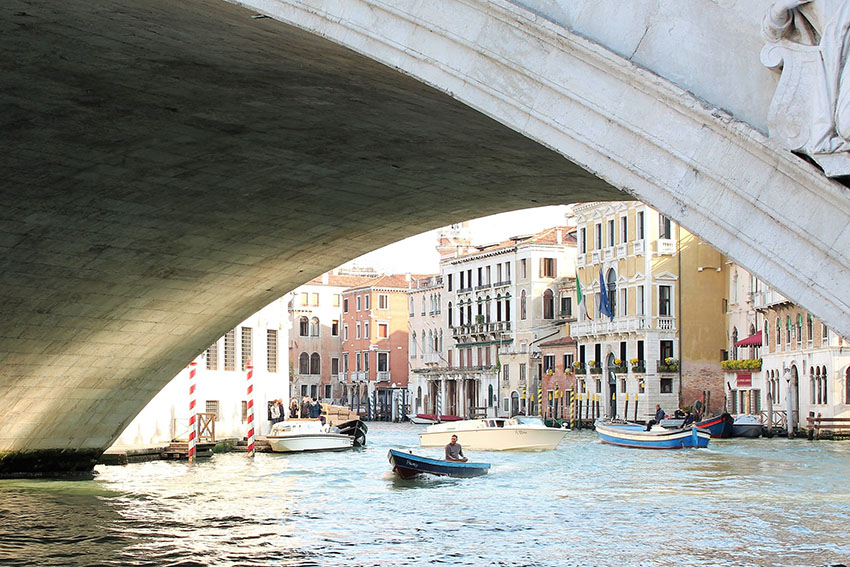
(768, 298)
(668, 365)
(431, 358)
(343, 376)
(638, 247)
(481, 328)
(482, 286)
(383, 376)
(622, 250)
(464, 289)
(665, 323)
(502, 283)
(602, 326)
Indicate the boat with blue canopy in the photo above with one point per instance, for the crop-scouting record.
(627, 434)
(408, 465)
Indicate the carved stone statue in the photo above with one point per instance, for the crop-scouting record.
(807, 40)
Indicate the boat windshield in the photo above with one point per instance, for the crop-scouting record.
(529, 420)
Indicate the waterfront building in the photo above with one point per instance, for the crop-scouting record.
(315, 345)
(499, 302)
(789, 361)
(221, 384)
(653, 293)
(427, 335)
(374, 346)
(558, 383)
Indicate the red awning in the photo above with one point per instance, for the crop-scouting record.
(754, 340)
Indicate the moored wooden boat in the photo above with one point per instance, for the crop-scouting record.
(720, 426)
(626, 434)
(430, 418)
(408, 465)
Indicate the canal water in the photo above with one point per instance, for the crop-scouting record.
(738, 503)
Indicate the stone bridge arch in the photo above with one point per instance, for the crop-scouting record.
(171, 168)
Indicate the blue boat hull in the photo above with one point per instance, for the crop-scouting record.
(719, 426)
(408, 465)
(636, 436)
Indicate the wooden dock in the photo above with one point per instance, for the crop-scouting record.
(818, 427)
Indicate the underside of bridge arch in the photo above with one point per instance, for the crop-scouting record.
(171, 167)
(168, 168)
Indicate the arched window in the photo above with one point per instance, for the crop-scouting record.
(487, 309)
(507, 309)
(799, 329)
(413, 345)
(612, 290)
(440, 346)
(847, 386)
(825, 384)
(314, 327)
(490, 397)
(814, 383)
(766, 334)
(451, 317)
(548, 304)
(304, 326)
(788, 330)
(522, 305)
(304, 363)
(809, 328)
(315, 363)
(778, 332)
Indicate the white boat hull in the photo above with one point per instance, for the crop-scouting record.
(508, 438)
(310, 442)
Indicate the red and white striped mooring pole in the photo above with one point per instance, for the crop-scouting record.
(250, 368)
(193, 428)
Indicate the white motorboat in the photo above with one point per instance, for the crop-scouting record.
(495, 434)
(302, 436)
(747, 426)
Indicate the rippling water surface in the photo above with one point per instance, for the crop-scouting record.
(740, 502)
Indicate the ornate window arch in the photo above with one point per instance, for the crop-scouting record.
(611, 283)
(304, 363)
(304, 326)
(315, 363)
(548, 304)
(314, 327)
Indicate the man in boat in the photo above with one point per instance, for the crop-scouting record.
(659, 415)
(454, 452)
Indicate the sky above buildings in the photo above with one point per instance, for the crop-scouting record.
(418, 254)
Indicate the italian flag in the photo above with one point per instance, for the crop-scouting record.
(580, 300)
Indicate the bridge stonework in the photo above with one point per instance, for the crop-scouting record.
(170, 168)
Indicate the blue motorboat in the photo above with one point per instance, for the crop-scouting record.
(635, 435)
(408, 465)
